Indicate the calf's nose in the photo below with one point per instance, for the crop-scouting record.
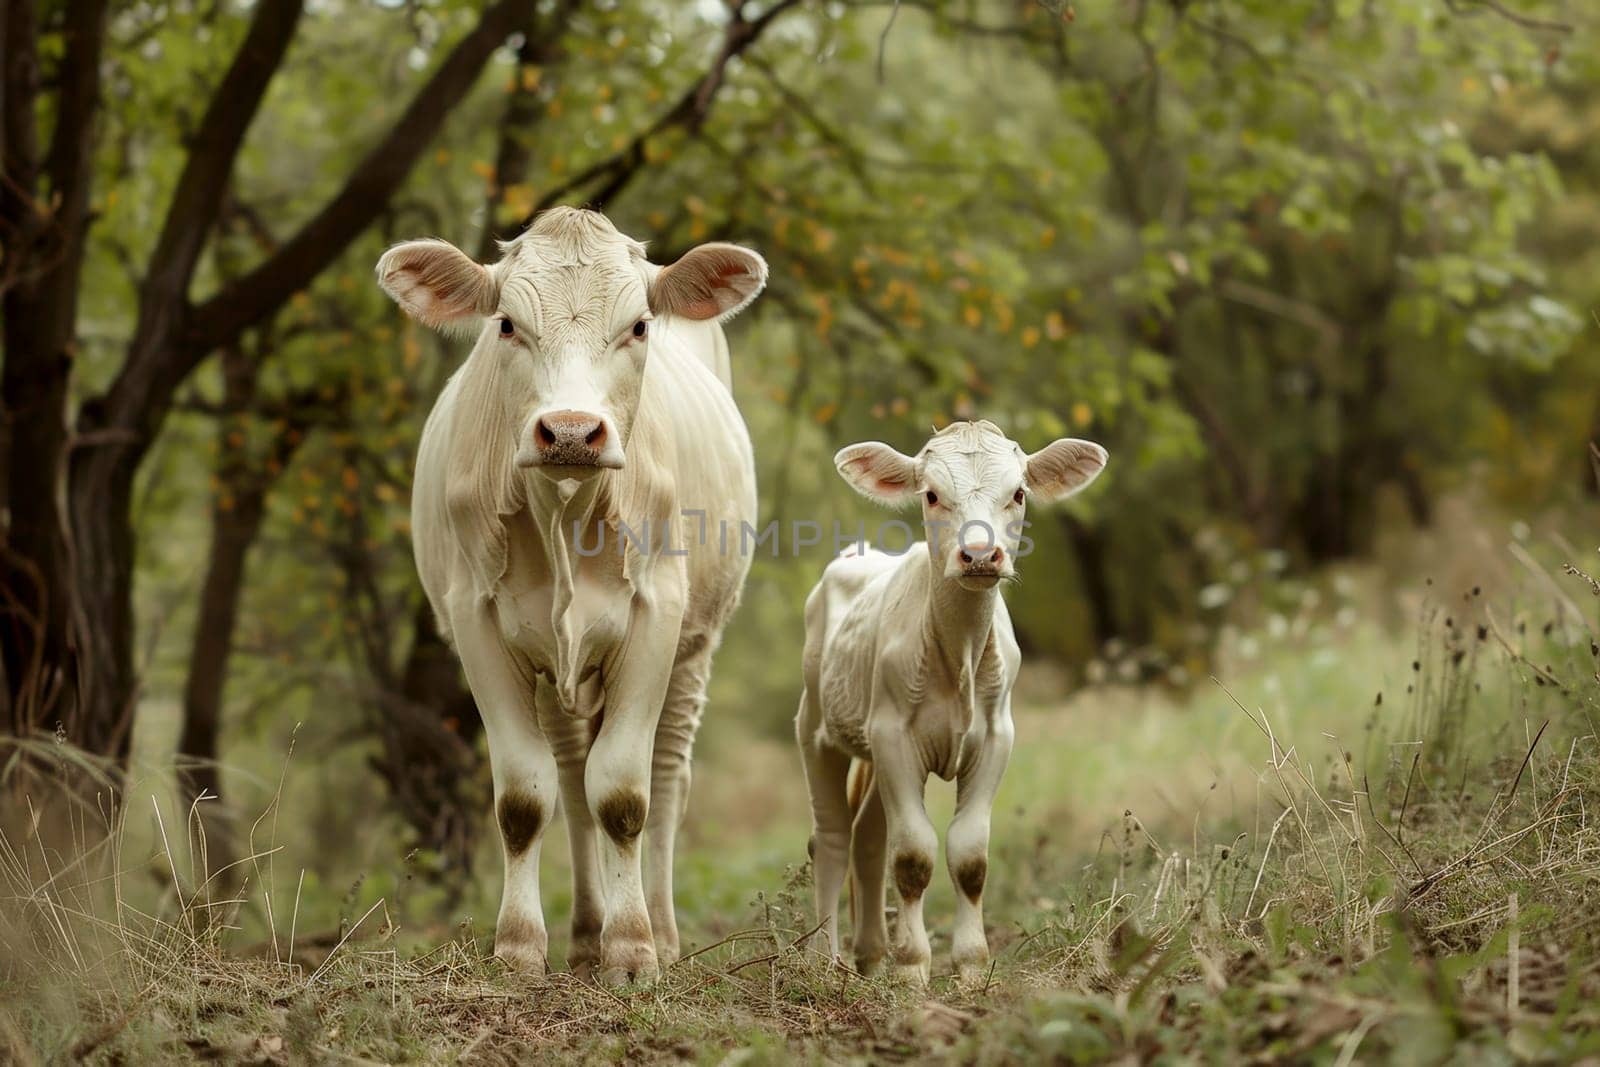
(978, 555)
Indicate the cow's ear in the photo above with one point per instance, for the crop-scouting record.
(711, 281)
(436, 283)
(1063, 467)
(878, 472)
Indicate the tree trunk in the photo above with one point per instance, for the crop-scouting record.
(233, 531)
(1088, 544)
(85, 580)
(44, 254)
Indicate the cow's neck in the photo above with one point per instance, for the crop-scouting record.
(563, 510)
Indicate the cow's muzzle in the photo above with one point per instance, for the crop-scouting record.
(571, 439)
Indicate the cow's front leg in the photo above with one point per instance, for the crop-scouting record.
(911, 844)
(570, 738)
(617, 781)
(966, 844)
(669, 791)
(525, 789)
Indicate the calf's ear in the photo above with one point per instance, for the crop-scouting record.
(878, 472)
(1063, 467)
(711, 281)
(436, 283)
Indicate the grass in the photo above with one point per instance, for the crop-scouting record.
(1359, 849)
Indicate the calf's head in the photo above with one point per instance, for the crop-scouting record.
(973, 483)
(563, 323)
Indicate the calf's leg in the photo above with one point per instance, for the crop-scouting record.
(967, 847)
(866, 881)
(911, 843)
(827, 770)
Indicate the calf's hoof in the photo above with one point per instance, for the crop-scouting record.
(973, 973)
(915, 974)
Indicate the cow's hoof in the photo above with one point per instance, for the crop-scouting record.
(629, 963)
(583, 957)
(620, 976)
(522, 957)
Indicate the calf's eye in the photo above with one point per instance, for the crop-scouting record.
(1017, 497)
(933, 498)
(641, 328)
(506, 329)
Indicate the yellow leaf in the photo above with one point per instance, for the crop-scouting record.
(518, 198)
(530, 78)
(971, 315)
(350, 478)
(483, 169)
(824, 313)
(1030, 337)
(825, 413)
(1081, 414)
(1055, 327)
(1047, 237)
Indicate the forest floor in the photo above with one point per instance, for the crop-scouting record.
(1340, 865)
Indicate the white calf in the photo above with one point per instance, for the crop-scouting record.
(909, 664)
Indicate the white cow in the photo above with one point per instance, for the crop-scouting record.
(565, 483)
(909, 664)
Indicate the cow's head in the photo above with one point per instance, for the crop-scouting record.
(973, 483)
(565, 317)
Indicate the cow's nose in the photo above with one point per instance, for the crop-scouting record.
(570, 436)
(982, 555)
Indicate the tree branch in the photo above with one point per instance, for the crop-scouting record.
(248, 300)
(524, 111)
(197, 200)
(690, 112)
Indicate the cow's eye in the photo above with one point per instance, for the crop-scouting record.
(1017, 497)
(506, 329)
(933, 498)
(641, 328)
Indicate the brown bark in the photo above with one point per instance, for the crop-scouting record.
(44, 247)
